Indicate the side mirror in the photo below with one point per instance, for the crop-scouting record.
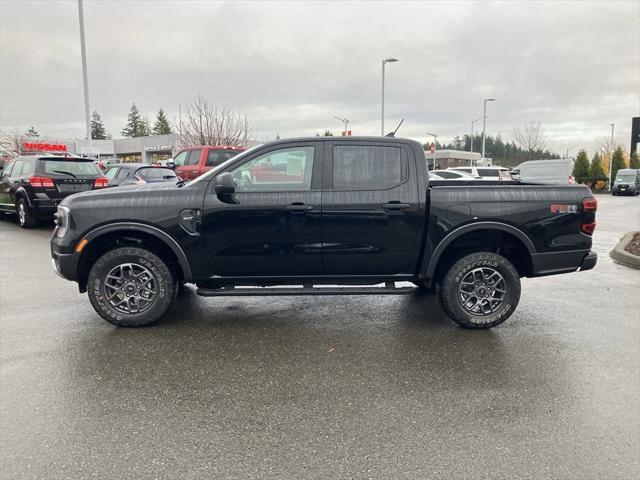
(171, 165)
(223, 184)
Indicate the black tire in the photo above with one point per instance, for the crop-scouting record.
(26, 219)
(495, 305)
(128, 261)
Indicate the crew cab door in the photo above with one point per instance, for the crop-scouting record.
(271, 225)
(371, 212)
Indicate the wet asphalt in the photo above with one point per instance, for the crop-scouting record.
(322, 387)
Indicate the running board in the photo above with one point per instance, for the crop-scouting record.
(388, 289)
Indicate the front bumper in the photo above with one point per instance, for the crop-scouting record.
(64, 259)
(562, 262)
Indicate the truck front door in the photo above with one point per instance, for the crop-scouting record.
(271, 225)
(371, 212)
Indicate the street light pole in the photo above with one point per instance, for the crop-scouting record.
(472, 123)
(435, 143)
(484, 122)
(83, 53)
(385, 61)
(345, 122)
(611, 155)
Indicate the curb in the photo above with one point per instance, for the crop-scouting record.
(621, 256)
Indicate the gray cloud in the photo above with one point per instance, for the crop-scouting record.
(293, 66)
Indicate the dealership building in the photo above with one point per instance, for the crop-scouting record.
(138, 149)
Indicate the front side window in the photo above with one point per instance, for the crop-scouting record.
(367, 167)
(179, 160)
(194, 157)
(286, 170)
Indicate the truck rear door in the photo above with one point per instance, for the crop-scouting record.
(371, 212)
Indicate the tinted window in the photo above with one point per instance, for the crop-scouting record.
(449, 175)
(488, 172)
(286, 170)
(194, 157)
(366, 167)
(216, 157)
(180, 159)
(153, 173)
(69, 166)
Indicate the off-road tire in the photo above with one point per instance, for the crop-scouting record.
(164, 283)
(450, 298)
(26, 219)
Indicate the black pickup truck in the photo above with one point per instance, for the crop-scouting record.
(315, 216)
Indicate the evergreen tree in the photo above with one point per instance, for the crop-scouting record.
(327, 133)
(596, 170)
(634, 162)
(161, 126)
(32, 132)
(581, 167)
(146, 127)
(135, 123)
(98, 132)
(617, 162)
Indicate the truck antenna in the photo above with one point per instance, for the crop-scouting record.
(393, 134)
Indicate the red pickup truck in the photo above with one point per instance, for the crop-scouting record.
(194, 161)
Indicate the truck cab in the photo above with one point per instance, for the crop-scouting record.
(194, 161)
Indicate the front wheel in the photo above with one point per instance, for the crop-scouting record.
(131, 287)
(480, 290)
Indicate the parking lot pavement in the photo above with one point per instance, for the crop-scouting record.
(322, 387)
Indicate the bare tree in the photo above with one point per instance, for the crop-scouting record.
(12, 140)
(531, 137)
(207, 124)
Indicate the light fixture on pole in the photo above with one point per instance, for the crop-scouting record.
(472, 124)
(433, 150)
(384, 62)
(83, 53)
(345, 122)
(484, 122)
(611, 155)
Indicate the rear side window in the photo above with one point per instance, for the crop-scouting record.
(69, 167)
(217, 157)
(488, 172)
(448, 175)
(153, 173)
(360, 167)
(111, 173)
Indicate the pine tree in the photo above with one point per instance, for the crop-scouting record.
(596, 170)
(135, 123)
(634, 162)
(98, 132)
(161, 126)
(32, 132)
(145, 129)
(327, 133)
(617, 162)
(581, 167)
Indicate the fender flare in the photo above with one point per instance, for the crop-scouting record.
(22, 193)
(429, 271)
(151, 230)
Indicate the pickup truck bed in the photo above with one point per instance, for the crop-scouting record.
(322, 211)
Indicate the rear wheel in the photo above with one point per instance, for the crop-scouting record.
(480, 290)
(26, 219)
(131, 287)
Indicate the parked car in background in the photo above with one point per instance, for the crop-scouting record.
(449, 175)
(194, 161)
(627, 182)
(554, 171)
(138, 174)
(485, 173)
(32, 186)
(105, 163)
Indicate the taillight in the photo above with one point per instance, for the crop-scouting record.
(101, 182)
(41, 182)
(589, 207)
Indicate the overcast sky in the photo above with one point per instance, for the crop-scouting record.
(291, 67)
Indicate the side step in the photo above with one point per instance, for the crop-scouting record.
(388, 289)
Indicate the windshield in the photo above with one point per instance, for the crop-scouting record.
(626, 177)
(213, 171)
(61, 167)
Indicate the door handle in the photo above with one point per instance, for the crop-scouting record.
(395, 205)
(298, 207)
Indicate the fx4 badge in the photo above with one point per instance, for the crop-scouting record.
(564, 209)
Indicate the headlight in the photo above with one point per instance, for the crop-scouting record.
(63, 218)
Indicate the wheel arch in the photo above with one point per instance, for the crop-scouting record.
(106, 237)
(496, 231)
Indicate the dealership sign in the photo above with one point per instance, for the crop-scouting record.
(44, 147)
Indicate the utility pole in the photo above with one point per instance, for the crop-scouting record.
(484, 122)
(83, 52)
(472, 123)
(345, 122)
(385, 61)
(611, 155)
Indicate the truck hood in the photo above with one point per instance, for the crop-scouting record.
(126, 192)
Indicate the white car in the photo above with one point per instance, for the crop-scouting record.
(485, 173)
(449, 175)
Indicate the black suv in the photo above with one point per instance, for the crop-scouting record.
(32, 186)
